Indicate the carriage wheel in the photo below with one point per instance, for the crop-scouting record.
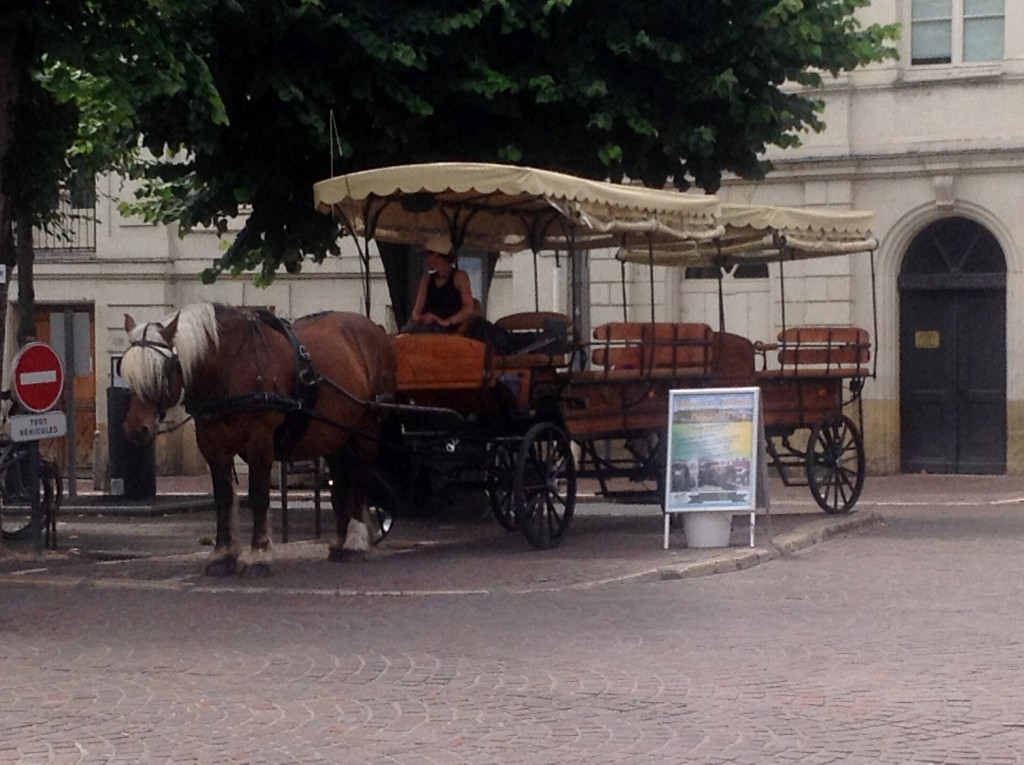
(544, 485)
(835, 463)
(500, 474)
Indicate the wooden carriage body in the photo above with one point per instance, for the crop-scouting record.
(611, 395)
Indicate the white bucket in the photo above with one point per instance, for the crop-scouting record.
(708, 528)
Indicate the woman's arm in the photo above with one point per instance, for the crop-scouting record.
(418, 316)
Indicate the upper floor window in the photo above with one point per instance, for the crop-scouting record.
(74, 226)
(956, 31)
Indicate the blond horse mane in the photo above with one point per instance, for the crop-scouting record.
(196, 337)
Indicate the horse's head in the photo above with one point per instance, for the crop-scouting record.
(152, 371)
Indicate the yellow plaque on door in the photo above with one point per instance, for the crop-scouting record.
(927, 339)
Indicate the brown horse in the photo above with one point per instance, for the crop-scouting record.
(262, 389)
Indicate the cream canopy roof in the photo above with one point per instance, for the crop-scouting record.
(760, 234)
(507, 208)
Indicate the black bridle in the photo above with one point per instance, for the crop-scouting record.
(171, 365)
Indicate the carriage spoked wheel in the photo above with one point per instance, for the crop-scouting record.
(500, 477)
(835, 463)
(544, 485)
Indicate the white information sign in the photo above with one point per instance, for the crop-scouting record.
(35, 427)
(715, 452)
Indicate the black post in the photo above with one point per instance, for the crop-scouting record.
(69, 403)
(37, 506)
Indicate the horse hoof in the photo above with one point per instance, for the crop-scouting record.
(222, 567)
(255, 571)
(336, 555)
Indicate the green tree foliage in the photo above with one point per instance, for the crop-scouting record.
(675, 91)
(72, 73)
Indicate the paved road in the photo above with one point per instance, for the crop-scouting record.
(899, 642)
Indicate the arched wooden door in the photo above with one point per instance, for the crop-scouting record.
(953, 351)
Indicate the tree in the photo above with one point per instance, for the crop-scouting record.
(662, 91)
(71, 74)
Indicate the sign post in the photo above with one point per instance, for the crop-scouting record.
(38, 382)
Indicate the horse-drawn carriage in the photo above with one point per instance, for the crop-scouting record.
(450, 408)
(567, 403)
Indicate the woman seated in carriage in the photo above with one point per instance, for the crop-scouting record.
(444, 298)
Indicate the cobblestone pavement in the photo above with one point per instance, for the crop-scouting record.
(898, 641)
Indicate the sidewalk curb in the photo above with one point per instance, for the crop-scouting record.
(107, 505)
(780, 546)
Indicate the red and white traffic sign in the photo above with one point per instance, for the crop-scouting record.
(38, 377)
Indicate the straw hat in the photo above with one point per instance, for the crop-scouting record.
(442, 245)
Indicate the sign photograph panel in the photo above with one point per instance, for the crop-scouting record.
(713, 449)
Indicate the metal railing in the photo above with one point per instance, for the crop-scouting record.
(74, 227)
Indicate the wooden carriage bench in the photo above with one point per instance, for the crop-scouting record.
(634, 366)
(818, 351)
(539, 347)
(538, 338)
(815, 365)
(652, 349)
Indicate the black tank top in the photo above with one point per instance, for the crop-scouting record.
(444, 301)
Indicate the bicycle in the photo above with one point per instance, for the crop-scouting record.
(16, 492)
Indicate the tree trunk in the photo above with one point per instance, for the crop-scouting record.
(9, 81)
(26, 289)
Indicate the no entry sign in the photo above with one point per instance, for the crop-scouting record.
(38, 377)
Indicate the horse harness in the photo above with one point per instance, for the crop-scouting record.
(298, 406)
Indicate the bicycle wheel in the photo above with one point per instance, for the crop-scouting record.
(16, 495)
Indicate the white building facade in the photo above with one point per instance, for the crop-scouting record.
(932, 143)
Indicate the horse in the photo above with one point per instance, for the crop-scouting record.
(263, 389)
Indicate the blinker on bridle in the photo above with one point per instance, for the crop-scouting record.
(171, 365)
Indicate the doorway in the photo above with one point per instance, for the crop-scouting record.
(953, 351)
(83, 385)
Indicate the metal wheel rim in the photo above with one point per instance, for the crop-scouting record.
(500, 480)
(545, 485)
(835, 463)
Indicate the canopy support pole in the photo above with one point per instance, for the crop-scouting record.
(721, 290)
(650, 271)
(580, 298)
(536, 283)
(622, 285)
(721, 301)
(782, 293)
(874, 317)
